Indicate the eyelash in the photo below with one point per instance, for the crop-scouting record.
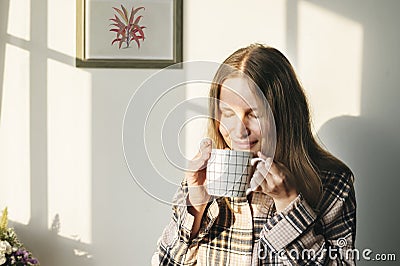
(229, 114)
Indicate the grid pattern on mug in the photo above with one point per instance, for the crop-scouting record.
(229, 174)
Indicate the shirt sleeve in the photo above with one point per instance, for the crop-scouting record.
(174, 247)
(302, 237)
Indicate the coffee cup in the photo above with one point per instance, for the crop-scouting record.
(228, 173)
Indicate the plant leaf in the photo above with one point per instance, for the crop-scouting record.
(120, 13)
(118, 30)
(117, 20)
(121, 42)
(125, 14)
(134, 11)
(115, 40)
(140, 30)
(123, 32)
(136, 39)
(131, 17)
(137, 20)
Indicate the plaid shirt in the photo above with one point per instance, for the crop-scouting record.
(247, 233)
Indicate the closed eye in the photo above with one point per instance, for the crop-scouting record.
(227, 113)
(253, 115)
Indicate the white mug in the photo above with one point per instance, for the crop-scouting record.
(229, 173)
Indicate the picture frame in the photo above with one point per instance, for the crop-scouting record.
(128, 34)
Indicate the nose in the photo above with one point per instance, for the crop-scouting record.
(241, 130)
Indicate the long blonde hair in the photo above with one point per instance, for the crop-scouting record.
(296, 147)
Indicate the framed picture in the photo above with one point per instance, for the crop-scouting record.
(129, 34)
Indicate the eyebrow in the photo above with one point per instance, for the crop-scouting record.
(224, 107)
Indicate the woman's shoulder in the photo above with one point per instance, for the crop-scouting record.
(337, 176)
(334, 172)
(336, 184)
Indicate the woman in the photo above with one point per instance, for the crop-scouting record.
(302, 210)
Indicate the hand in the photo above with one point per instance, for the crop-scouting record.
(196, 174)
(276, 182)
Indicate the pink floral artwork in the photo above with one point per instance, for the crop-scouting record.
(127, 28)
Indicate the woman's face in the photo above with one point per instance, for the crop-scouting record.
(239, 116)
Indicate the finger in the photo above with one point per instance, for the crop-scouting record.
(267, 185)
(281, 182)
(274, 169)
(205, 142)
(261, 167)
(256, 160)
(205, 157)
(199, 162)
(205, 148)
(275, 181)
(262, 156)
(280, 174)
(206, 153)
(256, 180)
(265, 188)
(270, 179)
(282, 168)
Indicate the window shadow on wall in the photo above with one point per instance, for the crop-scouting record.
(42, 239)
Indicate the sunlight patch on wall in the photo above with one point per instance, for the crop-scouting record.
(330, 62)
(245, 22)
(69, 151)
(19, 17)
(15, 136)
(262, 21)
(61, 34)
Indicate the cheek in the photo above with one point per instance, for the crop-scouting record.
(224, 130)
(255, 129)
(226, 125)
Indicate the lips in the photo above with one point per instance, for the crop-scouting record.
(244, 144)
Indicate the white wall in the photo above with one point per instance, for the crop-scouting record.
(62, 170)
